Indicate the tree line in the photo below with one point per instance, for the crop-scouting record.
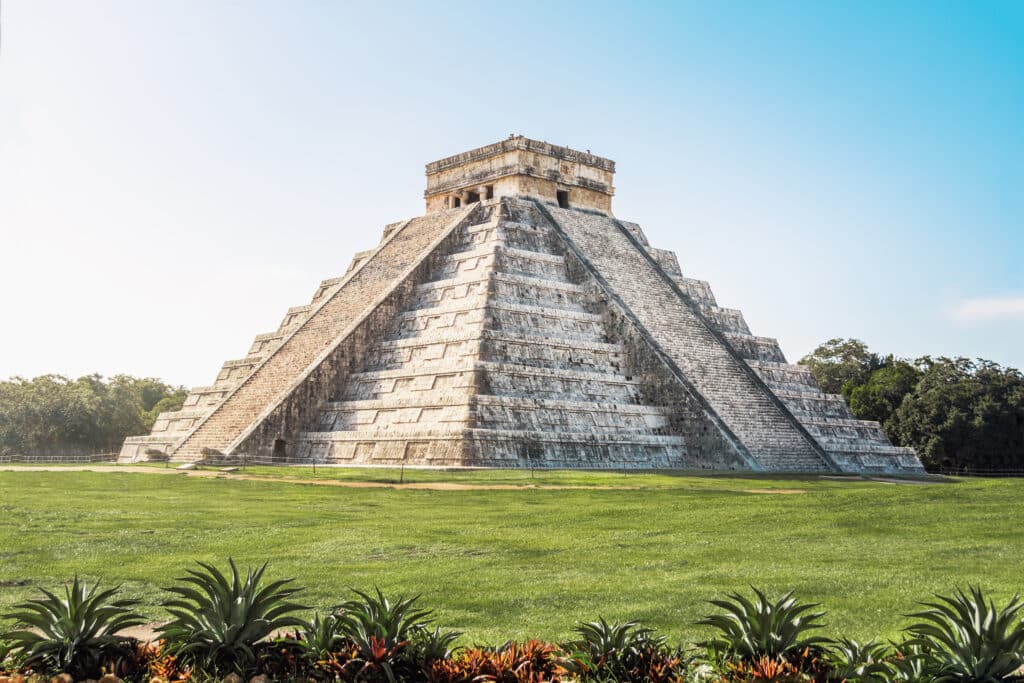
(55, 415)
(958, 414)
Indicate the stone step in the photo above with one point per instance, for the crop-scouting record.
(502, 379)
(784, 376)
(515, 379)
(873, 458)
(444, 376)
(752, 347)
(770, 434)
(264, 344)
(294, 317)
(477, 313)
(501, 287)
(839, 433)
(726, 319)
(179, 421)
(497, 345)
(504, 259)
(521, 235)
(135, 447)
(550, 352)
(375, 419)
(491, 448)
(285, 375)
(698, 290)
(491, 306)
(815, 404)
(523, 448)
(498, 412)
(668, 260)
(841, 422)
(507, 412)
(205, 397)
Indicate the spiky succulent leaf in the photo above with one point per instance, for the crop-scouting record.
(964, 637)
(428, 646)
(855, 661)
(216, 619)
(320, 636)
(601, 640)
(752, 629)
(381, 629)
(73, 634)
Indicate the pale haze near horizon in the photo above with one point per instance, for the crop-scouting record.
(175, 175)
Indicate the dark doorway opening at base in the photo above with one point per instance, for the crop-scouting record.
(280, 451)
(563, 198)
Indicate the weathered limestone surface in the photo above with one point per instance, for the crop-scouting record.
(520, 167)
(769, 434)
(296, 364)
(528, 327)
(498, 360)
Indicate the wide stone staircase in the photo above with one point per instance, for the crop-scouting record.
(512, 333)
(173, 426)
(498, 360)
(214, 416)
(852, 445)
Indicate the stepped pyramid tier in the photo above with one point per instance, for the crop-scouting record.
(518, 323)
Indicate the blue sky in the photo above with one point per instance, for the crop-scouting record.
(174, 175)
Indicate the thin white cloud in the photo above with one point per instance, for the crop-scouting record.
(992, 308)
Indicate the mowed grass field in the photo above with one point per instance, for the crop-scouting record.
(530, 559)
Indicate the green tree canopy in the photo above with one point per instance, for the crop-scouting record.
(884, 391)
(55, 415)
(958, 414)
(963, 414)
(839, 362)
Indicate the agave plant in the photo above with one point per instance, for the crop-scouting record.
(427, 646)
(320, 636)
(618, 650)
(392, 621)
(6, 649)
(381, 631)
(216, 621)
(863, 662)
(965, 638)
(763, 628)
(76, 634)
(908, 664)
(603, 641)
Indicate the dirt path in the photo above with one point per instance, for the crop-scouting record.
(218, 474)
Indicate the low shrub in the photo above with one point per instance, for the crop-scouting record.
(622, 652)
(965, 638)
(532, 661)
(230, 627)
(216, 622)
(320, 636)
(379, 632)
(850, 660)
(753, 629)
(76, 634)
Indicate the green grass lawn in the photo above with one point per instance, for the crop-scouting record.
(502, 564)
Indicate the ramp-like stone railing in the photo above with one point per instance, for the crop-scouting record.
(290, 385)
(692, 347)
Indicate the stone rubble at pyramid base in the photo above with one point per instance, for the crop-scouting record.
(533, 336)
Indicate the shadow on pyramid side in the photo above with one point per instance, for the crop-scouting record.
(519, 324)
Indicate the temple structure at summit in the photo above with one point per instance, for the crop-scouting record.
(519, 323)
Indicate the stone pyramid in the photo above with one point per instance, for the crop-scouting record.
(518, 323)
